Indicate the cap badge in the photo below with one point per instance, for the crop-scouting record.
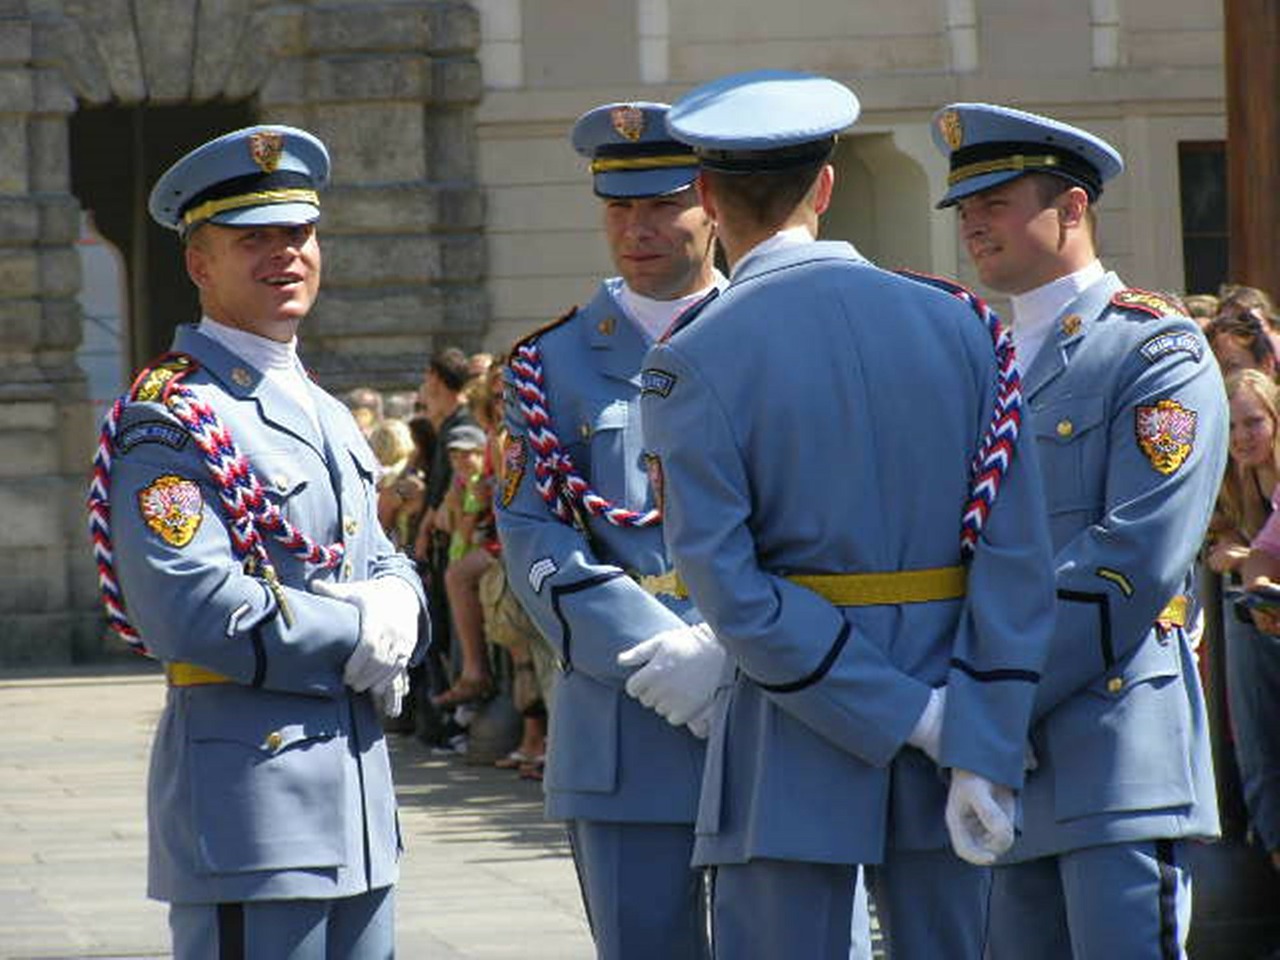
(628, 122)
(265, 149)
(951, 128)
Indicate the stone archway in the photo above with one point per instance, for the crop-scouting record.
(391, 88)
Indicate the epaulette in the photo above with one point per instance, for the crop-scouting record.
(529, 337)
(686, 318)
(157, 378)
(1144, 301)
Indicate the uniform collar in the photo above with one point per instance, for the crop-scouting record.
(786, 255)
(1073, 323)
(790, 237)
(244, 381)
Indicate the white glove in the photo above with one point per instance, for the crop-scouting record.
(388, 627)
(389, 695)
(679, 671)
(979, 817)
(700, 725)
(927, 735)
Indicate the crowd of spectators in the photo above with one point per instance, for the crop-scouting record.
(439, 451)
(1243, 544)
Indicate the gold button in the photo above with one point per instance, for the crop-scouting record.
(347, 568)
(1066, 428)
(351, 526)
(241, 376)
(585, 430)
(274, 739)
(605, 326)
(1071, 324)
(1115, 685)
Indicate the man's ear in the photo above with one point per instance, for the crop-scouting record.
(196, 261)
(822, 188)
(1073, 206)
(706, 196)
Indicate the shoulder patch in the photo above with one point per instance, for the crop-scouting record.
(534, 335)
(152, 383)
(173, 507)
(657, 382)
(514, 456)
(1144, 301)
(1166, 432)
(151, 431)
(1172, 341)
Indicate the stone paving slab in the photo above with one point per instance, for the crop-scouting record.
(484, 876)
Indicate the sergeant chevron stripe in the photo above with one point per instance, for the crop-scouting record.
(557, 479)
(244, 503)
(994, 454)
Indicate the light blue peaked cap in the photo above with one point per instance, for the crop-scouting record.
(268, 175)
(762, 119)
(631, 153)
(989, 145)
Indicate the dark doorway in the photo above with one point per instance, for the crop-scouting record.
(117, 152)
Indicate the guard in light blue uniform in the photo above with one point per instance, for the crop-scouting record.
(815, 426)
(271, 810)
(582, 542)
(1128, 410)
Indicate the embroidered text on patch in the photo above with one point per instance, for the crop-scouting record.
(657, 382)
(1175, 341)
(151, 431)
(173, 508)
(1166, 433)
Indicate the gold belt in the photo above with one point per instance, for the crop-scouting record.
(1174, 613)
(181, 674)
(851, 589)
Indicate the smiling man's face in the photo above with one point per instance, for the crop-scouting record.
(662, 246)
(260, 279)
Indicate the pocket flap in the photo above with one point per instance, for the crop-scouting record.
(1066, 419)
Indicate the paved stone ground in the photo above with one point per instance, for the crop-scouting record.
(484, 877)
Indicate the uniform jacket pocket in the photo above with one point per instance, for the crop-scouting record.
(267, 781)
(1123, 742)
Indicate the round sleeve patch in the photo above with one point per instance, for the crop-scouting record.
(173, 507)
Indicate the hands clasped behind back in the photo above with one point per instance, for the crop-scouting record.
(679, 670)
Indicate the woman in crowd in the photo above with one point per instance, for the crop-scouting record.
(1252, 647)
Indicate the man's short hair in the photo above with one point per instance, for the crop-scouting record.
(451, 366)
(765, 198)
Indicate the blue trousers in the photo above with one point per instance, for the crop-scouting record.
(1130, 900)
(349, 928)
(643, 899)
(931, 905)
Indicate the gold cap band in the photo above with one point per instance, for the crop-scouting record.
(261, 198)
(609, 164)
(1019, 163)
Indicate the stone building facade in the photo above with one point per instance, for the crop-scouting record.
(458, 212)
